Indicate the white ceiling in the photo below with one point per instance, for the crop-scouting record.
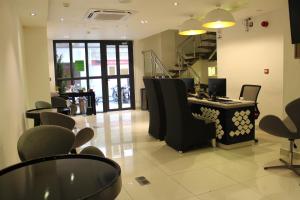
(160, 14)
(26, 7)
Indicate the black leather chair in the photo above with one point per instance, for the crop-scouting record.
(157, 125)
(184, 131)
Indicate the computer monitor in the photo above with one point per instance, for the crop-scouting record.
(217, 87)
(189, 84)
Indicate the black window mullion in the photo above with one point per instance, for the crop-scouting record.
(118, 76)
(71, 61)
(87, 65)
(104, 75)
(131, 74)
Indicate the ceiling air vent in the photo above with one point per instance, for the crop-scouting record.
(108, 14)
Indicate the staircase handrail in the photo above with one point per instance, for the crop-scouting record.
(156, 60)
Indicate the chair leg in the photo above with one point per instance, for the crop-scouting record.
(287, 165)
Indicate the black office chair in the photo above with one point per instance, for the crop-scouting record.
(157, 124)
(275, 126)
(250, 93)
(184, 131)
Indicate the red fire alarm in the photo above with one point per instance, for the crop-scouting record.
(266, 71)
(265, 24)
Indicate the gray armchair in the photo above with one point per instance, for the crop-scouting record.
(42, 104)
(275, 126)
(43, 141)
(58, 119)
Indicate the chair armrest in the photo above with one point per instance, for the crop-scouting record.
(273, 125)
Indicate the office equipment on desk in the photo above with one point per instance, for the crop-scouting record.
(234, 119)
(217, 87)
(189, 84)
(63, 177)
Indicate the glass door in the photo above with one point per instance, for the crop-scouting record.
(106, 67)
(119, 75)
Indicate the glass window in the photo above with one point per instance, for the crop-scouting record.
(63, 60)
(63, 86)
(124, 60)
(111, 60)
(125, 92)
(96, 85)
(113, 93)
(212, 71)
(94, 55)
(79, 65)
(80, 85)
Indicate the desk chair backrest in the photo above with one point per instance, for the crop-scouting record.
(250, 92)
(58, 119)
(43, 141)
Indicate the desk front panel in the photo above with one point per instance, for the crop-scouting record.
(232, 125)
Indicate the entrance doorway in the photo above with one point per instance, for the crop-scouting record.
(104, 66)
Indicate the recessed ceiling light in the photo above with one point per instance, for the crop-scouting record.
(144, 21)
(62, 19)
(176, 4)
(33, 13)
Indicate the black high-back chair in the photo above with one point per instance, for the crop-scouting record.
(184, 131)
(157, 125)
(250, 93)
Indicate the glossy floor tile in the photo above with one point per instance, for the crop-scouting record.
(202, 174)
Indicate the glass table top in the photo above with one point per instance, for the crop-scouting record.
(62, 177)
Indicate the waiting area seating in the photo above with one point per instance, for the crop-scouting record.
(275, 126)
(50, 140)
(43, 141)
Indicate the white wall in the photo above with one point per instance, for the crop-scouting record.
(138, 65)
(243, 56)
(36, 60)
(291, 80)
(12, 101)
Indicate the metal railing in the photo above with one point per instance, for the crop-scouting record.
(153, 65)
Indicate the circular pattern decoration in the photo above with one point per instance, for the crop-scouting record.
(212, 115)
(242, 122)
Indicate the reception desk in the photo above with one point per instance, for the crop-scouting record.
(234, 119)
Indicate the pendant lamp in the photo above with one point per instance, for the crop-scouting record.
(219, 18)
(191, 27)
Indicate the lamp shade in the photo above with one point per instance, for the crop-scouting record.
(191, 27)
(218, 18)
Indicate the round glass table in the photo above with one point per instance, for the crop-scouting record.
(62, 177)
